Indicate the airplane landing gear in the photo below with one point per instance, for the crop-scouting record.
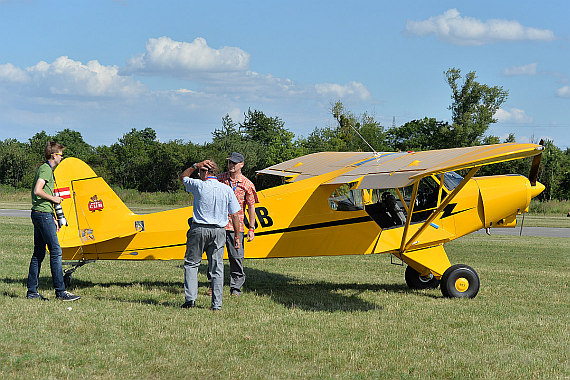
(415, 281)
(67, 280)
(460, 281)
(69, 272)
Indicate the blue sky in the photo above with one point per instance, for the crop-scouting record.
(104, 67)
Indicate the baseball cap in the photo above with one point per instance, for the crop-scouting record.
(236, 157)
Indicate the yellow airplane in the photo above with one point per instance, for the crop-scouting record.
(407, 204)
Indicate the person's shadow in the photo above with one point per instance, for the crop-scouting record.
(288, 291)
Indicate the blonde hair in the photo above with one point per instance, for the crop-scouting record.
(51, 148)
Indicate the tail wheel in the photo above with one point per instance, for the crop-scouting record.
(67, 280)
(460, 281)
(415, 281)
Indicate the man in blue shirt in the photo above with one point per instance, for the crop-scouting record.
(212, 202)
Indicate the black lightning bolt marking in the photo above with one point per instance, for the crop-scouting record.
(448, 210)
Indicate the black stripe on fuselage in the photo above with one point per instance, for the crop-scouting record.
(333, 223)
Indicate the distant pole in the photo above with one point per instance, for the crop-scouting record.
(393, 121)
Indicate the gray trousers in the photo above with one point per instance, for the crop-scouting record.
(211, 239)
(235, 256)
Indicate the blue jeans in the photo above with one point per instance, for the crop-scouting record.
(45, 233)
(210, 239)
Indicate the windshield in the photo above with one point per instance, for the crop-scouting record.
(450, 180)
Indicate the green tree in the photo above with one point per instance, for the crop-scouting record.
(351, 133)
(229, 138)
(424, 134)
(551, 173)
(132, 160)
(17, 164)
(74, 144)
(268, 142)
(270, 132)
(473, 107)
(38, 144)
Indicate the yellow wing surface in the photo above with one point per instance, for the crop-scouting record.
(397, 169)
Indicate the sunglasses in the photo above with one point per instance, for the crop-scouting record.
(58, 154)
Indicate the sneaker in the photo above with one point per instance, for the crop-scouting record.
(209, 292)
(235, 293)
(188, 304)
(33, 296)
(66, 296)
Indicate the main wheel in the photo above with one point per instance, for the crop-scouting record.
(415, 281)
(460, 281)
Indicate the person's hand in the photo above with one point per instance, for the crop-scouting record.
(57, 199)
(208, 164)
(250, 235)
(56, 225)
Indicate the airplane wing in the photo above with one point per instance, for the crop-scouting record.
(397, 169)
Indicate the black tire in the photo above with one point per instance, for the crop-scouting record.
(460, 281)
(67, 280)
(415, 281)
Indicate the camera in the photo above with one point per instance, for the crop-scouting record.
(61, 221)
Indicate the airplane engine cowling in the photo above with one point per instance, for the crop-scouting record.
(504, 196)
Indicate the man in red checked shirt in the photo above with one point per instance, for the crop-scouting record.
(245, 192)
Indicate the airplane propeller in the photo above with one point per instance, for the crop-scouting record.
(533, 175)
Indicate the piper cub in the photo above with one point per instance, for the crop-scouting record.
(407, 204)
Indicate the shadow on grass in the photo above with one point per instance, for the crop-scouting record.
(288, 291)
(316, 296)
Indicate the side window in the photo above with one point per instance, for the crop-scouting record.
(426, 200)
(383, 205)
(344, 199)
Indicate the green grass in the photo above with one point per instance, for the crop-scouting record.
(334, 317)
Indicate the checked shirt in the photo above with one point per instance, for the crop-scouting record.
(245, 193)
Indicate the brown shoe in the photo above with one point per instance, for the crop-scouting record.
(209, 291)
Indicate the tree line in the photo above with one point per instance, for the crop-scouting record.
(138, 160)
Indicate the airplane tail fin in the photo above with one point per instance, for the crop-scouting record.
(93, 211)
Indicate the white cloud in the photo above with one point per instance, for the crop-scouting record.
(165, 56)
(530, 69)
(563, 92)
(106, 102)
(68, 77)
(514, 115)
(352, 89)
(453, 28)
(13, 74)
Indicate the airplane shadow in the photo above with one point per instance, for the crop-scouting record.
(288, 291)
(316, 296)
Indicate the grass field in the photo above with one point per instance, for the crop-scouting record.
(334, 317)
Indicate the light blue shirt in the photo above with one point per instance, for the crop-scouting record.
(213, 201)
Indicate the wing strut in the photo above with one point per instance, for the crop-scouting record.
(434, 214)
(409, 216)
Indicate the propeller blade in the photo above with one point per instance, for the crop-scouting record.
(533, 175)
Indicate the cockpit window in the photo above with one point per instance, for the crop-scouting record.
(344, 199)
(451, 180)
